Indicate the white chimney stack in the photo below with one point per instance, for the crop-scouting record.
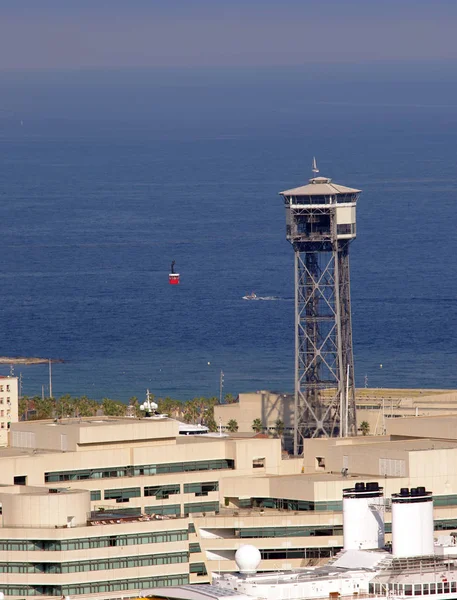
(363, 517)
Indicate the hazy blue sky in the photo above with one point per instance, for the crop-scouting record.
(111, 33)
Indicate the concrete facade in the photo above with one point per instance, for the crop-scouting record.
(375, 406)
(8, 406)
(124, 505)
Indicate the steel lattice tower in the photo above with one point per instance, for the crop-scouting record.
(320, 224)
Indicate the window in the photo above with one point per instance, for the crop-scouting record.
(200, 507)
(258, 463)
(201, 488)
(162, 492)
(303, 531)
(20, 480)
(95, 587)
(95, 495)
(320, 462)
(127, 471)
(198, 568)
(345, 229)
(167, 509)
(122, 494)
(95, 542)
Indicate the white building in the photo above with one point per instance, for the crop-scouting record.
(8, 406)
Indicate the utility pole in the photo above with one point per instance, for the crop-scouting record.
(50, 378)
(221, 386)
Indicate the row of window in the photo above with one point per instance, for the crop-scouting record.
(95, 587)
(161, 492)
(96, 542)
(175, 509)
(321, 530)
(315, 199)
(288, 504)
(417, 589)
(303, 531)
(96, 565)
(134, 471)
(299, 553)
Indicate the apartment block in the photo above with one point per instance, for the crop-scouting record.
(8, 406)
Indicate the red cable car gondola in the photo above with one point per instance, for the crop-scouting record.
(173, 278)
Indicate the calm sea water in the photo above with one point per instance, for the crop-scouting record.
(106, 177)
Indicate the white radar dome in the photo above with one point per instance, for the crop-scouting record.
(247, 559)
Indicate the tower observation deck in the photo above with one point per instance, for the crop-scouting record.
(320, 224)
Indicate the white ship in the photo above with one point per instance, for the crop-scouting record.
(415, 564)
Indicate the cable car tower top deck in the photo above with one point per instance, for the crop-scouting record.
(320, 224)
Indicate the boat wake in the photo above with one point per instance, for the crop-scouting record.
(255, 297)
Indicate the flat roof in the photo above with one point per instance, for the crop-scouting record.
(91, 421)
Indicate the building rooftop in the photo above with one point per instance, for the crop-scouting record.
(320, 186)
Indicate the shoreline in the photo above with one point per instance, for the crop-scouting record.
(21, 360)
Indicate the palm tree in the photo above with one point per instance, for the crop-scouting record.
(364, 427)
(279, 427)
(257, 425)
(232, 426)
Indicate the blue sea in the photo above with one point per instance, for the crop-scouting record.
(108, 176)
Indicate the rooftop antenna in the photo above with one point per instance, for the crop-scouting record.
(148, 407)
(314, 168)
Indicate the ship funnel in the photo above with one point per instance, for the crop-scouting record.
(412, 523)
(363, 517)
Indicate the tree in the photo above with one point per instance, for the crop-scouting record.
(279, 428)
(44, 407)
(257, 425)
(170, 407)
(229, 399)
(85, 407)
(23, 406)
(364, 427)
(113, 408)
(64, 407)
(232, 426)
(211, 424)
(191, 412)
(134, 407)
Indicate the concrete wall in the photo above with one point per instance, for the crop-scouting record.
(41, 508)
(75, 434)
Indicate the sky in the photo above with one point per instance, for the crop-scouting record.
(56, 34)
